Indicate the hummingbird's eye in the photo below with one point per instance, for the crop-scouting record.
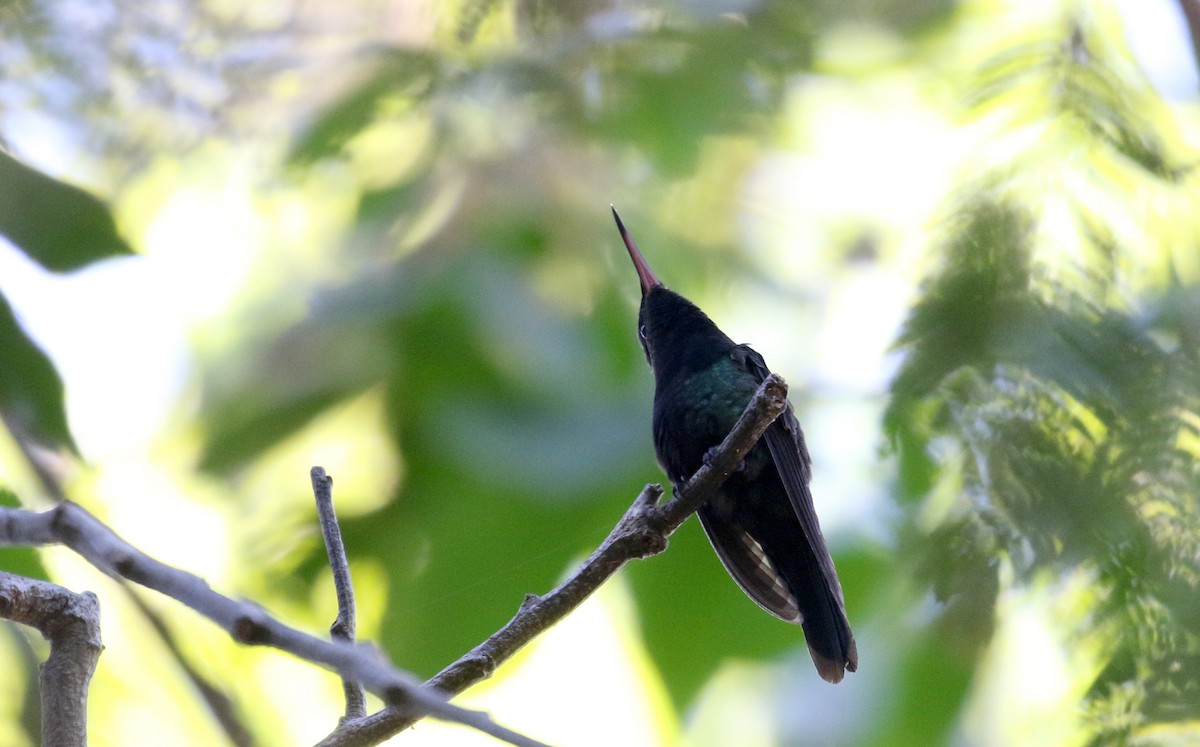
(642, 331)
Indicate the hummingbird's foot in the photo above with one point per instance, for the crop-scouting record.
(711, 454)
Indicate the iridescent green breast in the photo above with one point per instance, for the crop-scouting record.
(717, 397)
(696, 410)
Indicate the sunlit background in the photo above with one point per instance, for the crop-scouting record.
(374, 236)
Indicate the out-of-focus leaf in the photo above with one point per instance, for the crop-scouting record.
(60, 226)
(672, 89)
(910, 17)
(925, 703)
(245, 421)
(694, 616)
(1058, 420)
(1111, 104)
(31, 393)
(461, 561)
(665, 90)
(976, 300)
(1080, 81)
(402, 75)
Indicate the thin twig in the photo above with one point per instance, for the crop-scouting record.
(71, 525)
(71, 622)
(345, 625)
(641, 532)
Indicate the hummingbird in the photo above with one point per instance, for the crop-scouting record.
(762, 523)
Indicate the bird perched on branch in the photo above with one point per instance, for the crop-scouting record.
(761, 523)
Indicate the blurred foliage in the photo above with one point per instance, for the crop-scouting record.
(61, 227)
(1044, 422)
(31, 394)
(1047, 412)
(129, 80)
(58, 225)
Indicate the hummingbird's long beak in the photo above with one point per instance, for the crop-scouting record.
(645, 275)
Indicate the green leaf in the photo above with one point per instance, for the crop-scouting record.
(925, 703)
(462, 561)
(31, 393)
(672, 89)
(60, 226)
(400, 74)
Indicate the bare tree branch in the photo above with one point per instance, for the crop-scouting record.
(641, 532)
(71, 622)
(48, 466)
(345, 625)
(71, 525)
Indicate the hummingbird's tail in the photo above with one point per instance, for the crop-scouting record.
(822, 610)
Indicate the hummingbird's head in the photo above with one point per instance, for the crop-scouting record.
(648, 281)
(672, 330)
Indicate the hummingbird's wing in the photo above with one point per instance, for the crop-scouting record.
(825, 616)
(749, 566)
